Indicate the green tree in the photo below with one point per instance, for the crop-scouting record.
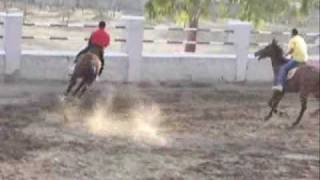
(187, 12)
(258, 11)
(306, 5)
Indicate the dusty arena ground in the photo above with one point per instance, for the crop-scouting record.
(167, 132)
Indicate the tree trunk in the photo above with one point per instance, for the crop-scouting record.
(191, 36)
(5, 5)
(77, 4)
(25, 10)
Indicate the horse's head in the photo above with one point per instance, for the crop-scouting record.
(271, 50)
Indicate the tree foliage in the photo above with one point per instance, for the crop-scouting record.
(182, 11)
(306, 5)
(258, 11)
(186, 12)
(255, 11)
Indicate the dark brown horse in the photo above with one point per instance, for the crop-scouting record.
(86, 70)
(305, 81)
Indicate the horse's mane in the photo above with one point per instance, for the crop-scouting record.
(278, 52)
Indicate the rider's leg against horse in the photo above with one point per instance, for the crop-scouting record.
(78, 88)
(303, 101)
(102, 62)
(77, 57)
(81, 52)
(283, 73)
(274, 102)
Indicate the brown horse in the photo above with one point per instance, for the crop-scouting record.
(87, 70)
(305, 81)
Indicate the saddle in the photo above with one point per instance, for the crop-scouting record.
(311, 63)
(292, 72)
(96, 50)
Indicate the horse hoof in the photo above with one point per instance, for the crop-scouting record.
(315, 113)
(267, 118)
(284, 114)
(65, 119)
(62, 98)
(292, 126)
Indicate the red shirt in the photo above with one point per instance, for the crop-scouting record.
(100, 38)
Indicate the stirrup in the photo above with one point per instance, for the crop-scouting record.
(277, 88)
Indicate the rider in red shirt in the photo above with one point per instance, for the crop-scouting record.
(99, 39)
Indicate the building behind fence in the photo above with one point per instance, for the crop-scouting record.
(132, 64)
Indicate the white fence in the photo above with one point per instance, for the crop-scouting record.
(132, 64)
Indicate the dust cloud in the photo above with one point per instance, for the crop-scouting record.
(122, 113)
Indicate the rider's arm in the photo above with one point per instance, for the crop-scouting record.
(291, 46)
(290, 51)
(107, 40)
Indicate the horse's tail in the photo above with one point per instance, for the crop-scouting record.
(317, 83)
(94, 69)
(317, 91)
(93, 72)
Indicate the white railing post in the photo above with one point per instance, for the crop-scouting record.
(134, 45)
(12, 42)
(241, 40)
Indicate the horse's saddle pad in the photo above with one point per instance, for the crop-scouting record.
(292, 72)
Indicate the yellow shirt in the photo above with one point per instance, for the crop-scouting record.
(299, 47)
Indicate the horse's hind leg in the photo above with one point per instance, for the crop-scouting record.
(71, 84)
(317, 96)
(83, 90)
(303, 100)
(78, 88)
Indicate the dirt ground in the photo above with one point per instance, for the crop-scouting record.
(168, 132)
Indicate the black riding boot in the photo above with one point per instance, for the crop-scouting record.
(102, 63)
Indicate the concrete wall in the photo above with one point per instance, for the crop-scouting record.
(197, 68)
(55, 65)
(133, 65)
(259, 71)
(116, 67)
(45, 65)
(154, 68)
(2, 61)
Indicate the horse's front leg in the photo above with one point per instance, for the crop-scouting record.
(71, 84)
(273, 103)
(303, 100)
(269, 114)
(270, 104)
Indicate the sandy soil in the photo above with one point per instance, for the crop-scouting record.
(173, 132)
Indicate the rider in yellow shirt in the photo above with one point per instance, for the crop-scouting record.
(298, 51)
